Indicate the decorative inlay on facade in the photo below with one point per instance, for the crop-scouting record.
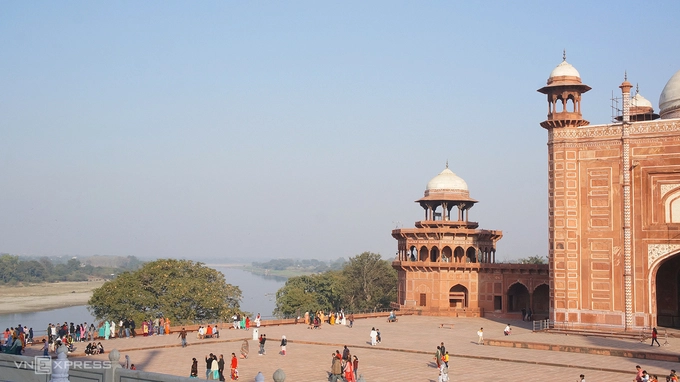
(610, 143)
(614, 131)
(656, 127)
(588, 132)
(666, 188)
(655, 251)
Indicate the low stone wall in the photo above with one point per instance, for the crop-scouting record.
(586, 350)
(23, 369)
(20, 368)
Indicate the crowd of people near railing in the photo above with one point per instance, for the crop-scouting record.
(15, 339)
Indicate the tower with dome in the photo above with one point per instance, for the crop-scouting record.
(446, 265)
(613, 208)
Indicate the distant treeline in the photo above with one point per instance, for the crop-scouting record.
(14, 270)
(307, 266)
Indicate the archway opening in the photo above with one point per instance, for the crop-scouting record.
(458, 297)
(412, 253)
(668, 293)
(471, 255)
(458, 254)
(518, 297)
(446, 254)
(541, 301)
(434, 254)
(423, 254)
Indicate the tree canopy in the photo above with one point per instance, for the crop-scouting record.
(43, 269)
(365, 283)
(532, 260)
(182, 290)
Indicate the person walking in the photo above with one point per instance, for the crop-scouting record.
(654, 337)
(220, 367)
(183, 336)
(215, 368)
(194, 368)
(284, 342)
(480, 334)
(638, 374)
(349, 371)
(355, 363)
(336, 369)
(234, 367)
(208, 366)
(263, 340)
(374, 337)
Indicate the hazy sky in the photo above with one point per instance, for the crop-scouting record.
(252, 130)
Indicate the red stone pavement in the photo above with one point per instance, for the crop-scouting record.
(405, 354)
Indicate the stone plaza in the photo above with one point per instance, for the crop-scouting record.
(406, 352)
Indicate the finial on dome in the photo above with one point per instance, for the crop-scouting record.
(447, 163)
(564, 55)
(637, 89)
(625, 75)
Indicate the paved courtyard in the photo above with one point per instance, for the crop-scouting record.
(405, 354)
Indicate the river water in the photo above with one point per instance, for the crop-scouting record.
(258, 296)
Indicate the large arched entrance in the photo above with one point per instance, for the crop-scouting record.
(518, 297)
(541, 301)
(668, 293)
(458, 297)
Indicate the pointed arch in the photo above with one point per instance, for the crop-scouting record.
(434, 254)
(471, 255)
(423, 253)
(447, 254)
(518, 297)
(458, 255)
(540, 302)
(458, 296)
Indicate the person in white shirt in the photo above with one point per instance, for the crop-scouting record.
(374, 337)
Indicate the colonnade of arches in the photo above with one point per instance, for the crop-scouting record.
(448, 255)
(517, 299)
(566, 102)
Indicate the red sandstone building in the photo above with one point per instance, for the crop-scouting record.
(614, 224)
(446, 265)
(614, 208)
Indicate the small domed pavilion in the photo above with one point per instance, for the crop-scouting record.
(447, 266)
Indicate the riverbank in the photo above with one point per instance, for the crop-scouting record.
(46, 296)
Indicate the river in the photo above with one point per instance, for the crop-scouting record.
(258, 296)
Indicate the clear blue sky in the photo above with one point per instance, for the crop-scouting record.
(252, 130)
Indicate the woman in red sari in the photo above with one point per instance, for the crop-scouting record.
(349, 371)
(234, 367)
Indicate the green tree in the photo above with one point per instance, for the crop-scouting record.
(532, 260)
(365, 283)
(9, 265)
(182, 290)
(370, 283)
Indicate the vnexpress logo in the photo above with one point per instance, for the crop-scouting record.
(43, 365)
(40, 365)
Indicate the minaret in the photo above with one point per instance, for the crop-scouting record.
(627, 244)
(564, 89)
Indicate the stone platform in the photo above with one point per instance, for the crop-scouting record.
(407, 352)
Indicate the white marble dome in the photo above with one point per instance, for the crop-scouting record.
(669, 101)
(640, 101)
(447, 181)
(564, 69)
